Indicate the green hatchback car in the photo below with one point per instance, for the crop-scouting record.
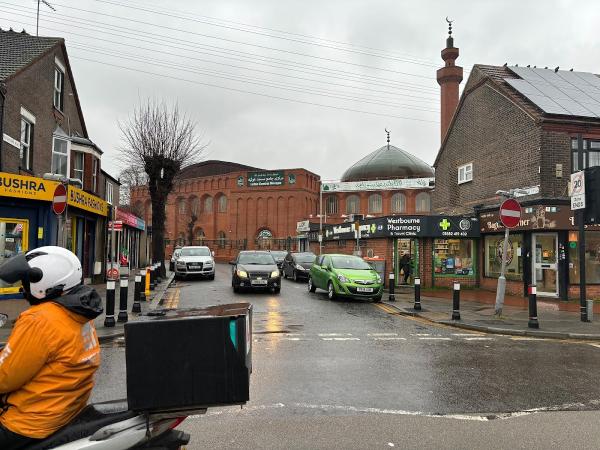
(345, 276)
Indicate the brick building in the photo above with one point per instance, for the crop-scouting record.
(517, 128)
(230, 206)
(43, 131)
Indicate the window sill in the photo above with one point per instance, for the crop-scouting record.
(465, 181)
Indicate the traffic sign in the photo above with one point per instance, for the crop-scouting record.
(59, 201)
(578, 190)
(510, 213)
(112, 274)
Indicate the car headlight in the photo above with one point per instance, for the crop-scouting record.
(275, 274)
(342, 279)
(242, 274)
(378, 278)
(299, 267)
(181, 263)
(208, 263)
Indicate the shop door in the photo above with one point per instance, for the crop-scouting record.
(410, 247)
(545, 264)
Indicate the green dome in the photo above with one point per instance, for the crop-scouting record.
(388, 163)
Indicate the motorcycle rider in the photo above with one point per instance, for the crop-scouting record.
(47, 367)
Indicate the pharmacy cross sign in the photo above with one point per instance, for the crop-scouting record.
(445, 224)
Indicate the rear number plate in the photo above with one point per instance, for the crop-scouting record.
(259, 282)
(364, 289)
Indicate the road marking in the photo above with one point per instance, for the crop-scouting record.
(420, 334)
(390, 338)
(435, 338)
(382, 334)
(295, 339)
(478, 339)
(334, 334)
(524, 338)
(467, 334)
(341, 339)
(595, 345)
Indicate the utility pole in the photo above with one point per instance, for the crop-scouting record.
(581, 225)
(321, 218)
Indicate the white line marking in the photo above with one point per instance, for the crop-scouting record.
(479, 339)
(595, 345)
(467, 334)
(390, 338)
(435, 338)
(341, 339)
(382, 334)
(334, 334)
(420, 334)
(523, 338)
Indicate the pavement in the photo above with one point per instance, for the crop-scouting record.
(559, 320)
(14, 307)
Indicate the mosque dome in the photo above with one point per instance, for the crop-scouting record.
(388, 163)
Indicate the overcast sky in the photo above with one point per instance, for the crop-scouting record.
(251, 73)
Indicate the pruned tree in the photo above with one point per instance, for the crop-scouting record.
(160, 140)
(130, 177)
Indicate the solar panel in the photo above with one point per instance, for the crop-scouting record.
(561, 92)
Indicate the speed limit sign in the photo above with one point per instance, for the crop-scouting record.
(578, 190)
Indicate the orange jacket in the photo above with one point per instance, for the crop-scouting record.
(47, 369)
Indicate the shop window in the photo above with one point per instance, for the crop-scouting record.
(60, 156)
(423, 202)
(514, 257)
(78, 159)
(398, 203)
(59, 84)
(222, 238)
(95, 174)
(375, 204)
(353, 204)
(13, 241)
(222, 205)
(453, 257)
(331, 205)
(465, 173)
(591, 154)
(26, 153)
(208, 204)
(592, 257)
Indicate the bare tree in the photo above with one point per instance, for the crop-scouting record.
(131, 177)
(160, 140)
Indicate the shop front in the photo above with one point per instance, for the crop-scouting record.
(130, 251)
(543, 251)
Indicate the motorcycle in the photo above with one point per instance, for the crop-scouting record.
(111, 426)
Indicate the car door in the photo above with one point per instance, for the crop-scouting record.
(323, 273)
(288, 264)
(315, 271)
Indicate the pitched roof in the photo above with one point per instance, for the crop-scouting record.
(19, 49)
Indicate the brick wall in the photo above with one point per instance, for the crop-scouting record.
(556, 150)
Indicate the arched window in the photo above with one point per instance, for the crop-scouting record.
(423, 202)
(181, 206)
(222, 237)
(264, 239)
(353, 204)
(208, 205)
(331, 205)
(194, 206)
(375, 204)
(222, 204)
(200, 235)
(398, 203)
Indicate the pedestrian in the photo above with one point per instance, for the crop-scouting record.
(405, 263)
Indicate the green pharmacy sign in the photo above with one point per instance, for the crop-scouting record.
(259, 179)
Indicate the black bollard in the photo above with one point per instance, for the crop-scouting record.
(123, 300)
(143, 285)
(391, 286)
(137, 291)
(152, 278)
(533, 319)
(418, 294)
(456, 302)
(158, 277)
(109, 320)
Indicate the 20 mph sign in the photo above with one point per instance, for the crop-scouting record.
(510, 213)
(578, 190)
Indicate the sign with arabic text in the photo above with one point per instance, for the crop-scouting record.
(260, 179)
(379, 185)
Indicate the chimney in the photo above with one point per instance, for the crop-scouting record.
(449, 77)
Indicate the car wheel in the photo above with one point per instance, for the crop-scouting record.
(377, 299)
(276, 291)
(311, 286)
(295, 274)
(330, 291)
(236, 289)
(212, 277)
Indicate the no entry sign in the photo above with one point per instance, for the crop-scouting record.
(59, 201)
(510, 213)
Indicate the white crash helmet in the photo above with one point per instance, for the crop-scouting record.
(46, 272)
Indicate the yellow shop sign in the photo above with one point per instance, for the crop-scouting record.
(19, 186)
(82, 200)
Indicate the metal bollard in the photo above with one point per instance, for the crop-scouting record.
(391, 286)
(147, 284)
(590, 310)
(122, 317)
(418, 294)
(137, 292)
(158, 276)
(533, 319)
(143, 285)
(109, 320)
(152, 278)
(456, 302)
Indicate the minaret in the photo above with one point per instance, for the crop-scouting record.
(449, 77)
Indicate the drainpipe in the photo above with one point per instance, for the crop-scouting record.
(2, 98)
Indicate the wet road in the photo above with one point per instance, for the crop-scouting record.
(316, 361)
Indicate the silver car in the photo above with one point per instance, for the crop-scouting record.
(195, 261)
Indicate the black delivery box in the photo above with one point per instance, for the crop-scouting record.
(189, 358)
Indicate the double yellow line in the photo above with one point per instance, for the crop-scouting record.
(172, 300)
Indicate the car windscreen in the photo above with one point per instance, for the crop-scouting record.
(279, 255)
(349, 262)
(195, 252)
(305, 258)
(256, 258)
